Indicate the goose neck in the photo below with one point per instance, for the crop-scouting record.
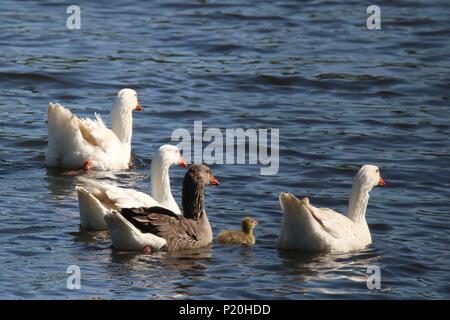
(122, 124)
(160, 181)
(193, 198)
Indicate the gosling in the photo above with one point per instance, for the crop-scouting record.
(244, 237)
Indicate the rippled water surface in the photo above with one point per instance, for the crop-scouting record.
(340, 94)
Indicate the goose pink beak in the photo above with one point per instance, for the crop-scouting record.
(138, 107)
(214, 181)
(88, 165)
(182, 163)
(381, 183)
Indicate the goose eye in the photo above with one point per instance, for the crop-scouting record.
(377, 171)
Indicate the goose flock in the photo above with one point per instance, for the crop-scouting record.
(137, 221)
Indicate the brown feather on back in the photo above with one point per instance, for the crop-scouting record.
(180, 232)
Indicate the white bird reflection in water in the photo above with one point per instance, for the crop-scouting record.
(338, 269)
(161, 275)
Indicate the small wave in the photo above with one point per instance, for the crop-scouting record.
(280, 80)
(30, 76)
(381, 227)
(226, 48)
(31, 230)
(387, 93)
(356, 77)
(252, 17)
(411, 22)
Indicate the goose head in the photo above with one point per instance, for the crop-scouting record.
(197, 177)
(247, 224)
(369, 175)
(204, 174)
(171, 155)
(127, 101)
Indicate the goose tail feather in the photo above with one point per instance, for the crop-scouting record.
(92, 212)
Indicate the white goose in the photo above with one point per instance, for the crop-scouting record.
(308, 228)
(102, 198)
(76, 143)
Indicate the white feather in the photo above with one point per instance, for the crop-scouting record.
(72, 141)
(104, 197)
(309, 228)
(127, 237)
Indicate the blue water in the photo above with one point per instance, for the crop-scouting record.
(340, 94)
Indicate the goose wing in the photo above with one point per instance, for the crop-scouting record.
(97, 134)
(332, 222)
(304, 222)
(118, 197)
(66, 145)
(71, 140)
(179, 232)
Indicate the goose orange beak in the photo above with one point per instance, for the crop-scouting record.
(182, 163)
(381, 183)
(214, 181)
(138, 107)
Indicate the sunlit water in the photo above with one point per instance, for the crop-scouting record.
(340, 94)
